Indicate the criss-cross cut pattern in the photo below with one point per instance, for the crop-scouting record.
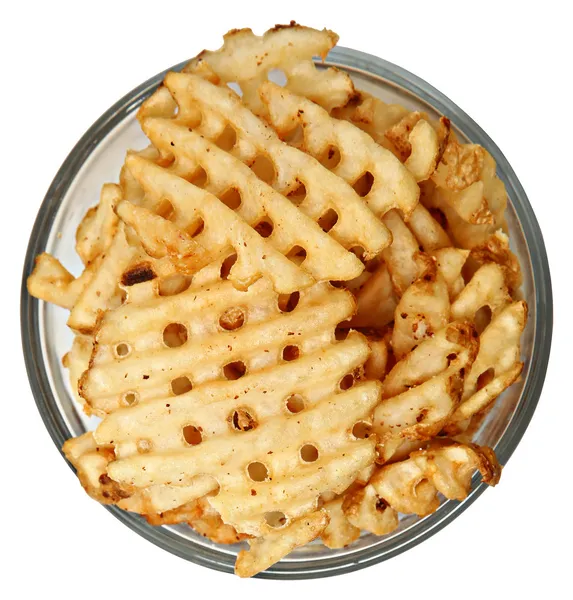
(143, 347)
(245, 59)
(223, 276)
(209, 109)
(284, 226)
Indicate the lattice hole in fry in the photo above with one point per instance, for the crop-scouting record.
(275, 519)
(309, 453)
(196, 228)
(330, 157)
(482, 318)
(227, 140)
(291, 352)
(175, 335)
(198, 178)
(192, 435)
(298, 195)
(122, 350)
(347, 382)
(295, 403)
(288, 302)
(328, 220)
(231, 198)
(181, 385)
(258, 471)
(264, 169)
(361, 430)
(294, 137)
(485, 378)
(129, 399)
(165, 209)
(234, 370)
(297, 254)
(243, 419)
(227, 265)
(264, 228)
(233, 318)
(363, 184)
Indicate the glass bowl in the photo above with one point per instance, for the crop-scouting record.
(97, 158)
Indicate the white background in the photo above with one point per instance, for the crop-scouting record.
(508, 64)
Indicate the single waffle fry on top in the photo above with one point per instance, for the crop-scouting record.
(134, 360)
(246, 59)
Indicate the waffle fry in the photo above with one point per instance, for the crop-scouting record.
(222, 279)
(77, 361)
(201, 516)
(419, 413)
(376, 301)
(475, 212)
(417, 142)
(139, 342)
(486, 288)
(258, 203)
(224, 230)
(412, 485)
(450, 262)
(429, 233)
(423, 309)
(95, 232)
(246, 59)
(497, 364)
(456, 342)
(496, 250)
(339, 532)
(401, 257)
(51, 282)
(209, 109)
(270, 548)
(392, 187)
(161, 238)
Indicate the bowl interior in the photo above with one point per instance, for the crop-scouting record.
(47, 338)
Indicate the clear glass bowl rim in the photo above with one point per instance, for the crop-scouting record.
(354, 61)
